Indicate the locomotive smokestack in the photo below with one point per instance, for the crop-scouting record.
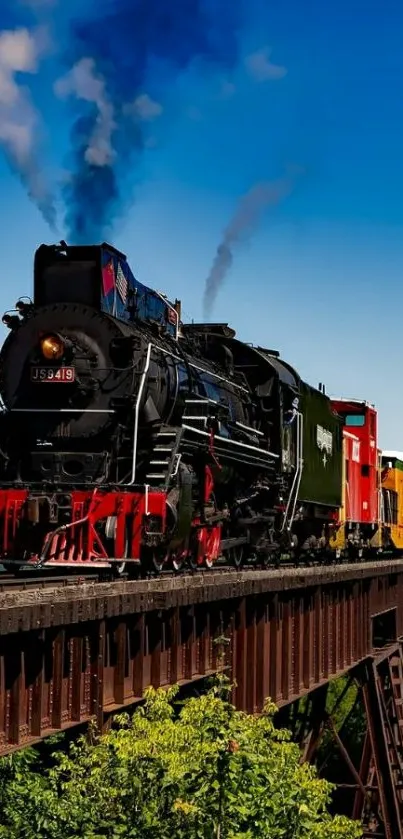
(178, 307)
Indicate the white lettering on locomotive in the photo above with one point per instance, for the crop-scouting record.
(324, 439)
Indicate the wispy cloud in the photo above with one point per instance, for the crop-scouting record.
(227, 89)
(144, 108)
(83, 82)
(261, 68)
(194, 113)
(20, 52)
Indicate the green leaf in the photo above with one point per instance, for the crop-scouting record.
(197, 769)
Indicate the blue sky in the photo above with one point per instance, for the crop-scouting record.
(319, 86)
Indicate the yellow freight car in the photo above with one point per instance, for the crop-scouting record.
(392, 498)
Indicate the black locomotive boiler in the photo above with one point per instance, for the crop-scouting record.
(130, 438)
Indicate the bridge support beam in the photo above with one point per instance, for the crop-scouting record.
(378, 781)
(90, 649)
(382, 759)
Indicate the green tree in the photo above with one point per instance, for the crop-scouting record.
(346, 710)
(207, 772)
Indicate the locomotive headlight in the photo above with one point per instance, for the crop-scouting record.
(52, 347)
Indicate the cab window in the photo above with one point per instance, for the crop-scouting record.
(355, 420)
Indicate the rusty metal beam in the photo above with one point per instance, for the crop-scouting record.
(379, 746)
(317, 716)
(91, 656)
(358, 591)
(345, 755)
(86, 650)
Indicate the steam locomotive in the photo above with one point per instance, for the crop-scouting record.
(130, 439)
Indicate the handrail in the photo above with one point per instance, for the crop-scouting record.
(137, 412)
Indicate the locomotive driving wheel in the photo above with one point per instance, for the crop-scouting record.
(204, 546)
(192, 559)
(236, 555)
(271, 559)
(212, 548)
(178, 558)
(156, 558)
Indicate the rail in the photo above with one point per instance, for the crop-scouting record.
(205, 585)
(12, 583)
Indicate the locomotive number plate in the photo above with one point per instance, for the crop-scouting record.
(52, 374)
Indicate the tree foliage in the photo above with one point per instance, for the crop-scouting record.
(348, 717)
(207, 772)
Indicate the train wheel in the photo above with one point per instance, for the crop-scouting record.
(236, 555)
(193, 562)
(271, 560)
(195, 558)
(158, 559)
(212, 548)
(179, 558)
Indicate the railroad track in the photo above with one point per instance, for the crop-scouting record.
(19, 583)
(8, 582)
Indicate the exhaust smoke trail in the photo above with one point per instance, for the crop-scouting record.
(20, 50)
(124, 58)
(242, 225)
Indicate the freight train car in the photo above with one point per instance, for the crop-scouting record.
(392, 499)
(359, 528)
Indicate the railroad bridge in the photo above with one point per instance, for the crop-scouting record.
(69, 652)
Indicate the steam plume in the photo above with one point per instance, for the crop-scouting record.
(242, 225)
(125, 58)
(84, 83)
(19, 53)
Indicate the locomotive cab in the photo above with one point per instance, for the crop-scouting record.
(67, 275)
(99, 276)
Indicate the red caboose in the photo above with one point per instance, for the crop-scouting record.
(360, 514)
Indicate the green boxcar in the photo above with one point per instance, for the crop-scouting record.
(323, 441)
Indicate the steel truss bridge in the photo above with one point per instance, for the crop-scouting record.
(71, 651)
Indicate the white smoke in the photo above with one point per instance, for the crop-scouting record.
(83, 82)
(261, 68)
(20, 51)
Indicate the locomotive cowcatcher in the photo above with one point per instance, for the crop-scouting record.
(129, 438)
